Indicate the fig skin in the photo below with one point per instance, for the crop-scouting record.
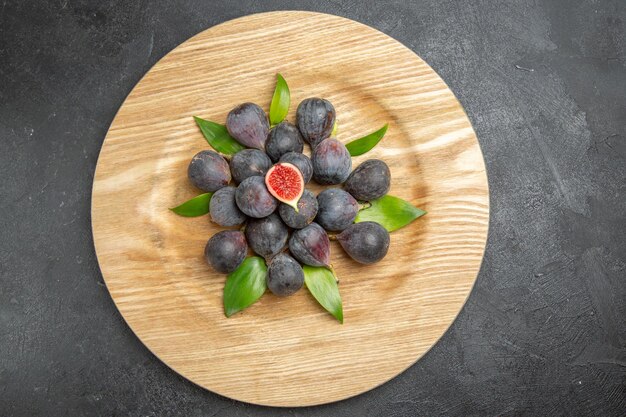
(248, 163)
(208, 171)
(307, 210)
(226, 250)
(366, 242)
(331, 162)
(337, 209)
(223, 208)
(369, 181)
(302, 162)
(315, 118)
(267, 236)
(248, 125)
(311, 246)
(284, 137)
(253, 198)
(284, 275)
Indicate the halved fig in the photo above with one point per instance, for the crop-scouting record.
(284, 181)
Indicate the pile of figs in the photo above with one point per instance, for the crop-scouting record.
(260, 194)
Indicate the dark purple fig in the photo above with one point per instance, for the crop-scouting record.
(366, 242)
(226, 250)
(311, 245)
(331, 162)
(337, 209)
(248, 125)
(283, 138)
(208, 171)
(267, 236)
(223, 208)
(253, 198)
(369, 181)
(302, 162)
(307, 209)
(248, 163)
(284, 275)
(315, 118)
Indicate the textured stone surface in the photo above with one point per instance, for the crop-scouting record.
(543, 332)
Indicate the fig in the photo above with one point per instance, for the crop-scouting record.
(267, 236)
(284, 181)
(248, 163)
(284, 275)
(369, 181)
(248, 125)
(302, 162)
(311, 246)
(307, 209)
(366, 242)
(283, 138)
(337, 209)
(223, 208)
(253, 198)
(331, 162)
(208, 171)
(226, 250)
(315, 118)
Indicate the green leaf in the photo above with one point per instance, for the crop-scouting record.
(195, 207)
(245, 285)
(322, 284)
(280, 101)
(390, 212)
(218, 137)
(366, 143)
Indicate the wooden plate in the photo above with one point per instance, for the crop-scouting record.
(290, 352)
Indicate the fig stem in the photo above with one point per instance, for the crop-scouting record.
(332, 237)
(332, 270)
(366, 205)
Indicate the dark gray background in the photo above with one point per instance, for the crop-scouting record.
(544, 83)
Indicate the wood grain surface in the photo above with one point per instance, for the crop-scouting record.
(290, 352)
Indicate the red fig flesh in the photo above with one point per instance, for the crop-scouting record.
(284, 181)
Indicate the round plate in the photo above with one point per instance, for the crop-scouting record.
(289, 351)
